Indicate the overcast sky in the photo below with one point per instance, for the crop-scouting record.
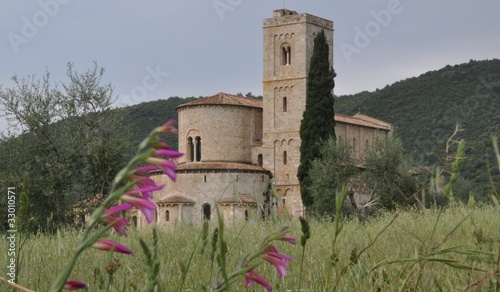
(154, 49)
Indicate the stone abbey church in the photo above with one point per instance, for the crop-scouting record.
(236, 148)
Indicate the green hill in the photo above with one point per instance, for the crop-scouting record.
(144, 117)
(425, 110)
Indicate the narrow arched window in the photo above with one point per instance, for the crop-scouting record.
(206, 209)
(260, 160)
(285, 105)
(167, 215)
(198, 148)
(286, 55)
(289, 56)
(285, 157)
(246, 215)
(190, 150)
(283, 56)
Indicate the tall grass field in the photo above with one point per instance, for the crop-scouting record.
(454, 249)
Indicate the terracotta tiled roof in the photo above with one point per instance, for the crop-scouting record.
(237, 200)
(175, 200)
(225, 99)
(372, 119)
(219, 166)
(363, 120)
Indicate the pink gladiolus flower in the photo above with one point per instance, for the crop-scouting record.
(272, 256)
(119, 223)
(168, 127)
(146, 169)
(146, 206)
(252, 277)
(289, 238)
(74, 285)
(107, 245)
(167, 166)
(160, 145)
(143, 181)
(146, 191)
(168, 153)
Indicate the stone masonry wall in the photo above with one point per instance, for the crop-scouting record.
(227, 132)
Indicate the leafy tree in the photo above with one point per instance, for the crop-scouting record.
(388, 173)
(318, 118)
(329, 174)
(63, 136)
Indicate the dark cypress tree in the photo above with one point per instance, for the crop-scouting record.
(318, 118)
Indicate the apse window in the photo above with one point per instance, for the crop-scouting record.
(198, 148)
(206, 209)
(190, 149)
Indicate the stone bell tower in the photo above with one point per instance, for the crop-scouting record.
(288, 46)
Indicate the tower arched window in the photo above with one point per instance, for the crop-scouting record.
(206, 210)
(260, 160)
(198, 148)
(190, 150)
(286, 55)
(167, 215)
(285, 104)
(285, 158)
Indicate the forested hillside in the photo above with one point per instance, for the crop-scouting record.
(144, 117)
(425, 110)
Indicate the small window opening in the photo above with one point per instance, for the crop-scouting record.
(190, 149)
(260, 160)
(204, 178)
(134, 220)
(246, 215)
(285, 105)
(167, 215)
(206, 209)
(263, 178)
(198, 148)
(237, 178)
(354, 144)
(284, 201)
(285, 157)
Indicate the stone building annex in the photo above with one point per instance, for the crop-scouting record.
(236, 148)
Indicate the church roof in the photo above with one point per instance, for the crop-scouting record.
(363, 120)
(175, 200)
(222, 98)
(238, 200)
(219, 166)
